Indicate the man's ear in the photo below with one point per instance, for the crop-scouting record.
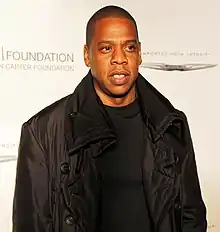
(86, 56)
(140, 55)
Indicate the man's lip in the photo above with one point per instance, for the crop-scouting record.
(119, 72)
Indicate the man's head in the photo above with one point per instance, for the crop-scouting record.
(112, 51)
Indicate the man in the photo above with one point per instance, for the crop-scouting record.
(113, 156)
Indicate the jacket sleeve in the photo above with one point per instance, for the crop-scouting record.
(30, 205)
(193, 207)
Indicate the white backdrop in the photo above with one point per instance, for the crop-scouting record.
(41, 60)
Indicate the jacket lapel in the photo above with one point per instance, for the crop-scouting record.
(87, 121)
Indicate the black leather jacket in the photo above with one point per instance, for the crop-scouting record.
(57, 186)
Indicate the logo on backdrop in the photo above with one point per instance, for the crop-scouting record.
(7, 151)
(15, 59)
(176, 67)
(8, 158)
(7, 154)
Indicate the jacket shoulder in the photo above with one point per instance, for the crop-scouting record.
(53, 112)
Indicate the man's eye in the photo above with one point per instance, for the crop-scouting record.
(106, 49)
(131, 47)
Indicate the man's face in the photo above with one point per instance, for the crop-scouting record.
(114, 56)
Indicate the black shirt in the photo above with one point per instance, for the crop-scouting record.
(123, 207)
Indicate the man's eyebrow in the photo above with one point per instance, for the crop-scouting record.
(112, 42)
(131, 41)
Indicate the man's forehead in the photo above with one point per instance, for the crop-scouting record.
(114, 27)
(115, 41)
(111, 20)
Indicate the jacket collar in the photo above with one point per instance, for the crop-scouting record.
(157, 109)
(90, 121)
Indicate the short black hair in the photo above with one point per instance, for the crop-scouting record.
(105, 12)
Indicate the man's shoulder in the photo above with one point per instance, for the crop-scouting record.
(56, 112)
(51, 113)
(157, 105)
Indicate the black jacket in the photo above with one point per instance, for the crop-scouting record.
(57, 186)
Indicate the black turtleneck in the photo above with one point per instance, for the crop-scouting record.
(123, 207)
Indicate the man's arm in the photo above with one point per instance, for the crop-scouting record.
(193, 208)
(31, 205)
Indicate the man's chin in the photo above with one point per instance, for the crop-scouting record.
(120, 91)
(119, 94)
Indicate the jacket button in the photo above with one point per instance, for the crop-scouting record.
(177, 206)
(65, 168)
(73, 114)
(69, 220)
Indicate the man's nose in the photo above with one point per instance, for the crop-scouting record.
(119, 56)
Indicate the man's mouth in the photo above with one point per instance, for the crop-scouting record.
(119, 74)
(119, 77)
